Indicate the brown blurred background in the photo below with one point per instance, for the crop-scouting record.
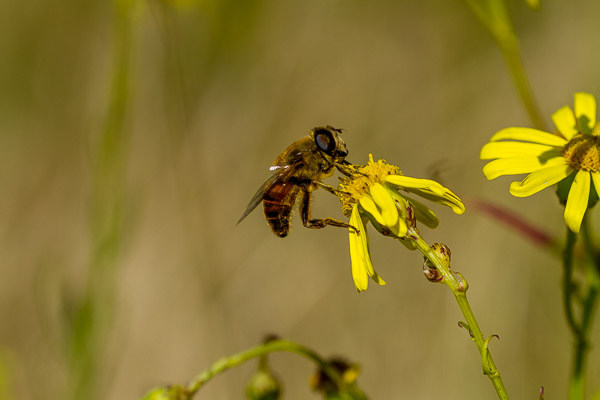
(131, 140)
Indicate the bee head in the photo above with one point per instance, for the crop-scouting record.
(328, 141)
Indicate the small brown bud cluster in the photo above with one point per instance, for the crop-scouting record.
(348, 371)
(431, 272)
(433, 275)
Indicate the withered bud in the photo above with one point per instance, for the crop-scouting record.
(321, 382)
(431, 272)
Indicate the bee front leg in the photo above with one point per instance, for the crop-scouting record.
(330, 189)
(348, 169)
(316, 223)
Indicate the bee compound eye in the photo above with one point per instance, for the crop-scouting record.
(325, 140)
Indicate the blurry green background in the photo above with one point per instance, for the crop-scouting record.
(132, 137)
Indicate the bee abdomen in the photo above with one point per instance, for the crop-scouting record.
(277, 204)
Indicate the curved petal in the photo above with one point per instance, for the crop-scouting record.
(585, 112)
(519, 165)
(539, 180)
(565, 122)
(529, 135)
(512, 149)
(377, 279)
(415, 183)
(386, 204)
(368, 204)
(428, 189)
(357, 255)
(577, 201)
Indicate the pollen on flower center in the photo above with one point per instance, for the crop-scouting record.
(360, 180)
(583, 153)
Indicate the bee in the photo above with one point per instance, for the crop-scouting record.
(297, 172)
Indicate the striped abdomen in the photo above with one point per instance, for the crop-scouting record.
(278, 202)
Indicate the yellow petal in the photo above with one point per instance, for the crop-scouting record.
(428, 189)
(512, 149)
(400, 229)
(377, 279)
(585, 112)
(521, 165)
(539, 180)
(565, 122)
(529, 135)
(386, 204)
(370, 207)
(362, 267)
(365, 251)
(401, 203)
(416, 183)
(577, 201)
(367, 257)
(359, 269)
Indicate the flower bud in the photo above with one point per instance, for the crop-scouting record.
(168, 393)
(463, 285)
(431, 272)
(429, 269)
(263, 386)
(443, 251)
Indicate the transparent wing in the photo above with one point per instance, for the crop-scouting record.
(281, 173)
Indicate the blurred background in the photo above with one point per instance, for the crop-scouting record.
(132, 136)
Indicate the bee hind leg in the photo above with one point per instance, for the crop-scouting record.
(318, 223)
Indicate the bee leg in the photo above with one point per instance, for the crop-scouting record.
(330, 189)
(316, 223)
(349, 169)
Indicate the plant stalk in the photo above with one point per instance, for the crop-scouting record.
(459, 291)
(588, 307)
(494, 16)
(226, 363)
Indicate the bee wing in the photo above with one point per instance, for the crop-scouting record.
(280, 173)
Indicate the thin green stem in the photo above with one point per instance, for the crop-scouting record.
(459, 290)
(494, 16)
(588, 306)
(567, 282)
(277, 345)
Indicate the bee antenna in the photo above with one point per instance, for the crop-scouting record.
(338, 130)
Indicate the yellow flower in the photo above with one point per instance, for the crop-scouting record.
(372, 193)
(569, 157)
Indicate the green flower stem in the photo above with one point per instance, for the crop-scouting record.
(459, 290)
(589, 304)
(568, 281)
(494, 16)
(277, 345)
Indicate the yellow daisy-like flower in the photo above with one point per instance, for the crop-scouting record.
(570, 157)
(376, 193)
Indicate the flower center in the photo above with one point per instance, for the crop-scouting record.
(352, 188)
(583, 153)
